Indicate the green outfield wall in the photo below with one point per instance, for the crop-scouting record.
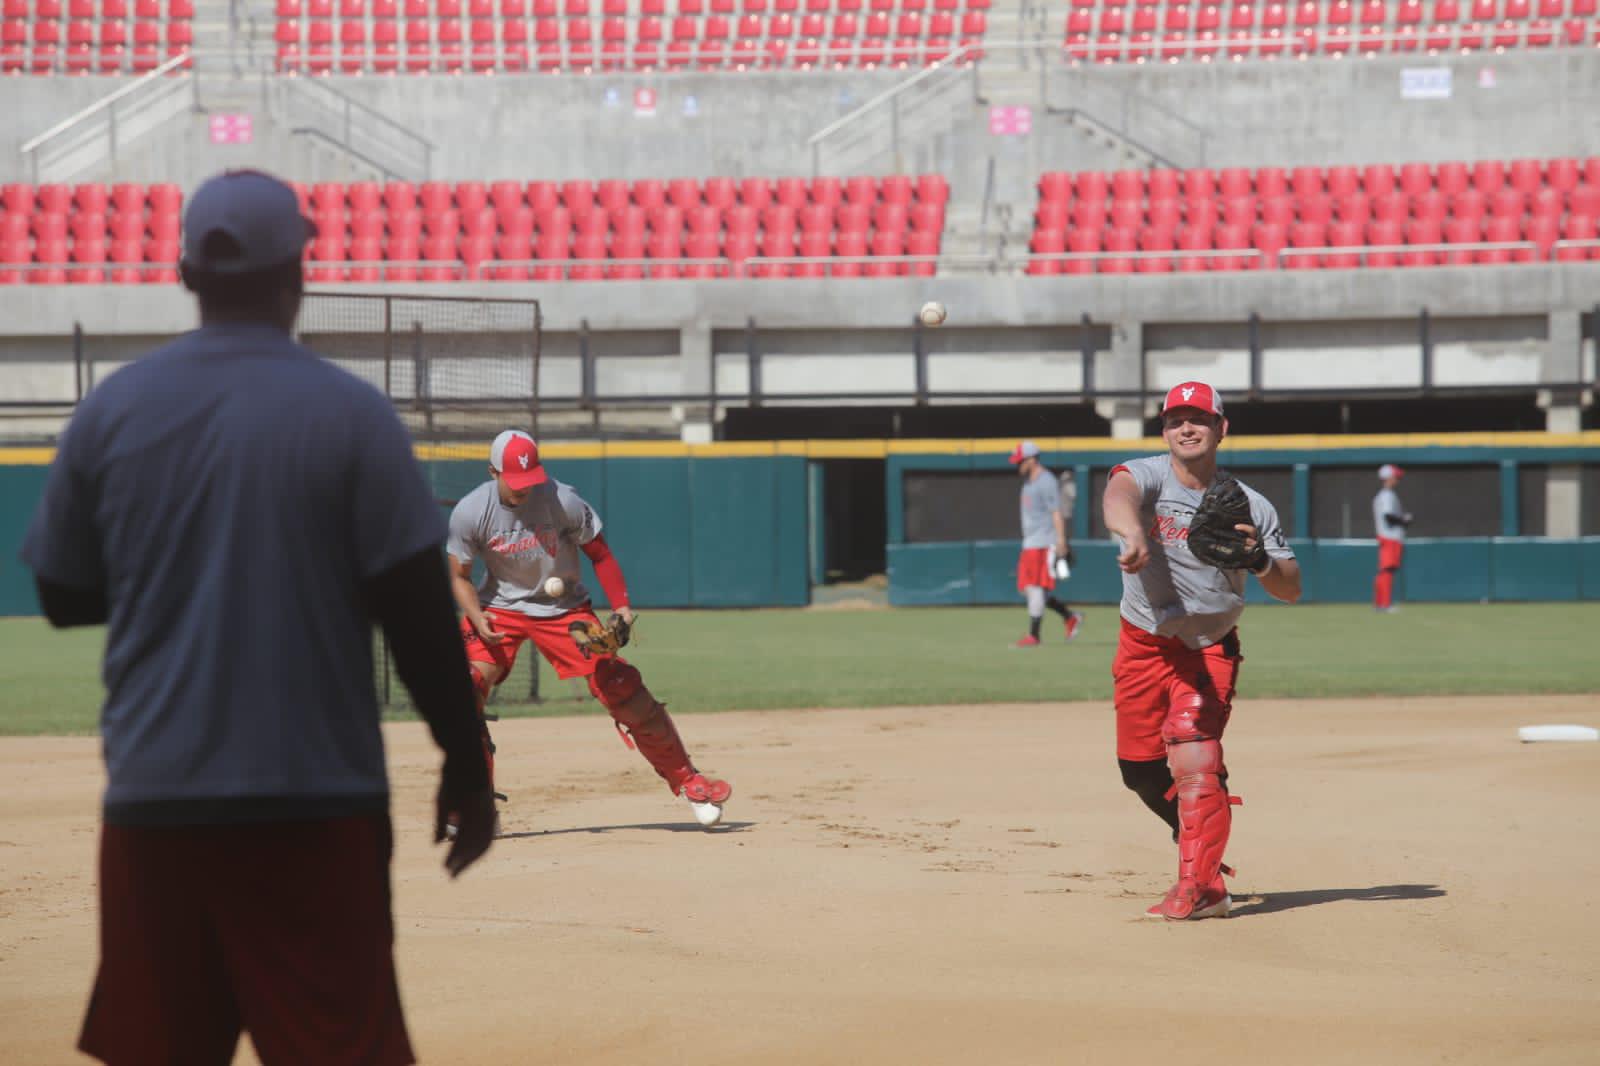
(736, 524)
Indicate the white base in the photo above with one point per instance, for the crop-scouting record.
(1531, 733)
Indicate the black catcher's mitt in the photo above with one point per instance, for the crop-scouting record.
(593, 639)
(1212, 536)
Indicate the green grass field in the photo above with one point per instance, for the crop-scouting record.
(757, 660)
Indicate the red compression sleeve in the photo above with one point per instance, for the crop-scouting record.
(608, 570)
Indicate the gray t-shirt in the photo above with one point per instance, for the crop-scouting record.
(1040, 499)
(525, 546)
(1176, 595)
(1385, 503)
(231, 492)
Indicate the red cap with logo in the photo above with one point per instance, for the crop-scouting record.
(1196, 394)
(516, 457)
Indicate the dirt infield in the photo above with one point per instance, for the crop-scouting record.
(951, 885)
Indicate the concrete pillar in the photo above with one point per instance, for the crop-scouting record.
(1563, 365)
(694, 354)
(1124, 372)
(1563, 353)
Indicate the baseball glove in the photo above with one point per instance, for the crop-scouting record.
(594, 638)
(1212, 536)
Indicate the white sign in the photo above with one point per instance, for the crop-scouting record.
(644, 102)
(1425, 83)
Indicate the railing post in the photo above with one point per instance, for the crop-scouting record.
(1425, 337)
(753, 354)
(919, 356)
(1254, 328)
(423, 387)
(1086, 346)
(538, 352)
(585, 366)
(77, 360)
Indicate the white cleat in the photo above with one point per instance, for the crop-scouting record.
(707, 814)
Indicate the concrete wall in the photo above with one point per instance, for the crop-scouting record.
(541, 126)
(1513, 325)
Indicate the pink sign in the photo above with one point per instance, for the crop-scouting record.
(231, 129)
(1006, 121)
(644, 102)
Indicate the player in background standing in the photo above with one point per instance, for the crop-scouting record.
(1044, 531)
(527, 527)
(1178, 654)
(238, 512)
(1389, 520)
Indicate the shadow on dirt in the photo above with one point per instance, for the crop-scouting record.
(1274, 902)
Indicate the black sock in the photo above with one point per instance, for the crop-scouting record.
(1033, 626)
(1057, 606)
(1151, 781)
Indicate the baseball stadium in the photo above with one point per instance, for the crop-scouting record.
(988, 402)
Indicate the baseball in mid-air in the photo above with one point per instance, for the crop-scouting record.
(555, 588)
(932, 313)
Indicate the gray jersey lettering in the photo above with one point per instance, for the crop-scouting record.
(1176, 595)
(524, 547)
(1040, 498)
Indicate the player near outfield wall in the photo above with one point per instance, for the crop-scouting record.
(527, 528)
(1044, 543)
(1178, 654)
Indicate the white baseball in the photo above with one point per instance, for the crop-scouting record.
(555, 588)
(932, 313)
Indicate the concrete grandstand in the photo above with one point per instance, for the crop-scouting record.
(982, 160)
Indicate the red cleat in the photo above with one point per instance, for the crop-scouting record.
(1073, 623)
(1029, 641)
(1188, 902)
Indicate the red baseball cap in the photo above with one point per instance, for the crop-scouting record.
(1196, 394)
(1389, 470)
(516, 458)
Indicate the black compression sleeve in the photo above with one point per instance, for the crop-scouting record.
(69, 605)
(412, 602)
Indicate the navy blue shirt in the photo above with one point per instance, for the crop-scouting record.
(230, 492)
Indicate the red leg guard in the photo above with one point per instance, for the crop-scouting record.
(617, 685)
(1205, 814)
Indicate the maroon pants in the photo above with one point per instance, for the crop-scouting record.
(280, 929)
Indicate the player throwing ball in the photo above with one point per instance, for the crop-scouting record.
(1189, 534)
(527, 528)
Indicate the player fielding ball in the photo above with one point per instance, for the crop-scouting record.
(1189, 533)
(528, 529)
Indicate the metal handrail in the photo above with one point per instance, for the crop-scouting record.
(104, 102)
(1165, 253)
(1401, 249)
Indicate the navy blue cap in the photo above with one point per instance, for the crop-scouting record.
(243, 221)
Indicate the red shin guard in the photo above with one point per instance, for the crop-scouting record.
(1205, 814)
(618, 686)
(1193, 732)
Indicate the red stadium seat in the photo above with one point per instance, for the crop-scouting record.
(1381, 233)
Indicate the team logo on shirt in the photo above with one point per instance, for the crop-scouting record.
(544, 540)
(1165, 528)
